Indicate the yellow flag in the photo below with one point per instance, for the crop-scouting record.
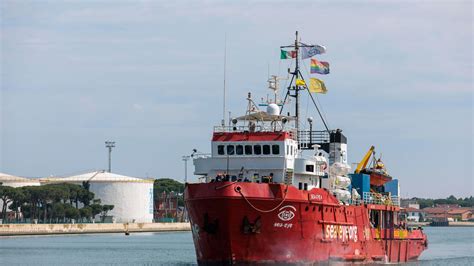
(300, 82)
(317, 86)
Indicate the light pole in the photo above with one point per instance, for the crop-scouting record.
(110, 145)
(185, 159)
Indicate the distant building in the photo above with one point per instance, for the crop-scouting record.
(460, 214)
(414, 214)
(448, 206)
(409, 203)
(437, 214)
(448, 212)
(166, 207)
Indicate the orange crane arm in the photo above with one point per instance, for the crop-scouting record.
(364, 161)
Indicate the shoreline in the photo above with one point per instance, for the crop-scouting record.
(99, 228)
(449, 224)
(461, 224)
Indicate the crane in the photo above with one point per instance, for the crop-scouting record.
(365, 160)
(86, 184)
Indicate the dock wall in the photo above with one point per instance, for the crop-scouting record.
(52, 229)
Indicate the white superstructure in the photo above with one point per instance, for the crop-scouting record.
(267, 147)
(132, 197)
(262, 146)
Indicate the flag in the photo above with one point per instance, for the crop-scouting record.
(307, 52)
(300, 82)
(287, 54)
(319, 67)
(317, 86)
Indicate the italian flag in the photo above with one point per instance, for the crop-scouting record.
(287, 54)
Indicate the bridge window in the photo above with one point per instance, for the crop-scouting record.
(257, 149)
(266, 149)
(239, 149)
(220, 150)
(230, 150)
(275, 149)
(248, 149)
(310, 168)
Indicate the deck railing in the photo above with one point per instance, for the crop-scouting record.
(377, 198)
(307, 138)
(256, 128)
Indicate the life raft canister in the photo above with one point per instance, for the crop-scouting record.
(324, 166)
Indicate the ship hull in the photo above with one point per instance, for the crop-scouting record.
(248, 223)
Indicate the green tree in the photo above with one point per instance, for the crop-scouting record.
(58, 211)
(71, 212)
(105, 209)
(96, 208)
(86, 212)
(85, 196)
(7, 194)
(54, 202)
(167, 185)
(18, 199)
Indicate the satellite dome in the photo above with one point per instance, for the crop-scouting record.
(273, 109)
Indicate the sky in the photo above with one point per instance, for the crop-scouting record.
(149, 76)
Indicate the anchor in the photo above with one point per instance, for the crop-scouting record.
(251, 228)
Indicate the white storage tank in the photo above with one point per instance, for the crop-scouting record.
(132, 197)
(16, 181)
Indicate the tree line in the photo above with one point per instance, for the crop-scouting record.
(168, 185)
(52, 203)
(452, 200)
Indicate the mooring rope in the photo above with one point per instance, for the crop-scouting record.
(226, 185)
(239, 190)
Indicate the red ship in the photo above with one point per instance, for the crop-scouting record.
(273, 192)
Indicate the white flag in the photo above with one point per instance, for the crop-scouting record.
(308, 52)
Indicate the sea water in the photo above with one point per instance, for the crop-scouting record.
(447, 246)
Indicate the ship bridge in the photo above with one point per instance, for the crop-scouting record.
(249, 152)
(266, 146)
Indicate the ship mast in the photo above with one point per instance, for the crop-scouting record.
(295, 76)
(293, 91)
(297, 73)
